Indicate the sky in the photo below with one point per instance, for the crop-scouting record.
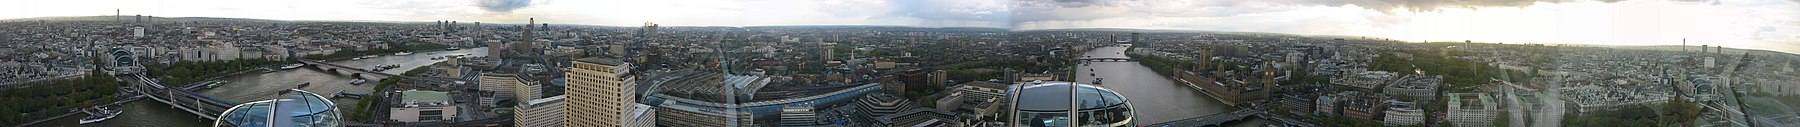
(1756, 24)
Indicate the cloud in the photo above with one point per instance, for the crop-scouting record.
(991, 13)
(502, 5)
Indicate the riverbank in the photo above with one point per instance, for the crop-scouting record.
(55, 99)
(254, 86)
(1156, 98)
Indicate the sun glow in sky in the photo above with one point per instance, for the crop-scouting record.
(1623, 23)
(1754, 24)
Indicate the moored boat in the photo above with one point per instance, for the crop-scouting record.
(101, 114)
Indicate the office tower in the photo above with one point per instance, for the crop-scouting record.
(528, 38)
(137, 32)
(601, 92)
(1135, 38)
(546, 112)
(526, 89)
(649, 30)
(495, 50)
(939, 78)
(798, 116)
(641, 115)
(1703, 49)
(1708, 62)
(502, 85)
(528, 44)
(826, 50)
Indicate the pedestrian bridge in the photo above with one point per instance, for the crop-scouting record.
(181, 97)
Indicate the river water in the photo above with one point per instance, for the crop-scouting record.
(255, 86)
(1156, 98)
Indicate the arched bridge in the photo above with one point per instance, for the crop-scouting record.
(353, 71)
(365, 73)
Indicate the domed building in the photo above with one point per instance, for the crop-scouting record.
(298, 109)
(1047, 104)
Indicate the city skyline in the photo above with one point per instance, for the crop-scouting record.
(1755, 24)
(937, 63)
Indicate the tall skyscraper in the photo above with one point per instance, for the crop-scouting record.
(1135, 38)
(826, 49)
(528, 42)
(649, 30)
(601, 93)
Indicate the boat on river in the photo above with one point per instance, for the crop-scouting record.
(100, 114)
(292, 66)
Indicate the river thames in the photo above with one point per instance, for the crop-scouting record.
(256, 86)
(1156, 98)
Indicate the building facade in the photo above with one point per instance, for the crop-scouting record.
(601, 91)
(641, 116)
(1400, 113)
(423, 106)
(1470, 109)
(501, 85)
(1416, 86)
(882, 104)
(546, 112)
(798, 116)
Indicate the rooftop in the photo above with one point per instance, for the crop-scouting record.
(540, 101)
(989, 85)
(1418, 82)
(1469, 100)
(424, 95)
(918, 116)
(602, 61)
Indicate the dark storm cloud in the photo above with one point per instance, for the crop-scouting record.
(502, 5)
